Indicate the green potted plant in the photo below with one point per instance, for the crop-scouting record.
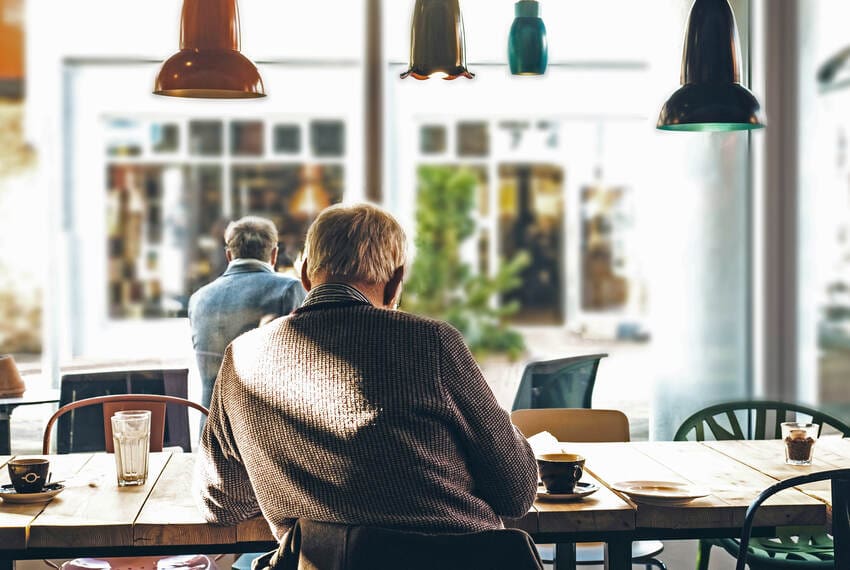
(441, 284)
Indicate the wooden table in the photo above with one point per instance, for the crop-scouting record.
(8, 405)
(161, 517)
(735, 472)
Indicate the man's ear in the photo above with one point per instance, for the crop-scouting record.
(273, 258)
(305, 281)
(393, 287)
(227, 255)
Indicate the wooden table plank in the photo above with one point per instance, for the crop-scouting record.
(170, 515)
(102, 515)
(254, 530)
(15, 520)
(603, 511)
(769, 458)
(732, 485)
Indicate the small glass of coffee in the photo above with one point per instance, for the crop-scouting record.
(800, 441)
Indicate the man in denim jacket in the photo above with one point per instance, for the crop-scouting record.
(246, 293)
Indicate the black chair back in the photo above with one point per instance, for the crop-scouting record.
(840, 479)
(82, 430)
(313, 544)
(560, 383)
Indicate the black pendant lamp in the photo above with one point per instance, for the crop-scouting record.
(712, 97)
(209, 64)
(437, 44)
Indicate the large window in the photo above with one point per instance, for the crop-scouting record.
(638, 240)
(154, 181)
(168, 202)
(824, 212)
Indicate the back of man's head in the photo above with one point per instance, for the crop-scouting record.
(251, 237)
(355, 244)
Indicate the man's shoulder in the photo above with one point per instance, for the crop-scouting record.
(262, 278)
(410, 321)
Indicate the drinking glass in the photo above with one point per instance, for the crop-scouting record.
(131, 436)
(800, 441)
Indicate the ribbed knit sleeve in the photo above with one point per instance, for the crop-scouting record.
(224, 493)
(500, 459)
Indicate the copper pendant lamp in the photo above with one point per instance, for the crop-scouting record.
(209, 64)
(712, 97)
(437, 44)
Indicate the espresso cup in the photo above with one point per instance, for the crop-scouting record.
(560, 471)
(28, 475)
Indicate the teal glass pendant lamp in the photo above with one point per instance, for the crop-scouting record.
(437, 44)
(528, 49)
(712, 97)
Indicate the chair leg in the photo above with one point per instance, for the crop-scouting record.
(565, 556)
(655, 563)
(703, 554)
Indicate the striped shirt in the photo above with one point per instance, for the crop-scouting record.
(347, 413)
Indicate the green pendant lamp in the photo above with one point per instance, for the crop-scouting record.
(209, 64)
(711, 98)
(528, 50)
(437, 45)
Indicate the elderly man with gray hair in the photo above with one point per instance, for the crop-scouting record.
(348, 411)
(246, 293)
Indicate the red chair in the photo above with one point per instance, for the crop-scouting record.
(118, 402)
(115, 403)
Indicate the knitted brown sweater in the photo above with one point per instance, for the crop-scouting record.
(343, 412)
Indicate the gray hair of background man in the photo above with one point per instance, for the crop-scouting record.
(251, 237)
(355, 244)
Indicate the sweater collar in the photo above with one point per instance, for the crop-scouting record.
(334, 294)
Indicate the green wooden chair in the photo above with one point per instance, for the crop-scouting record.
(809, 548)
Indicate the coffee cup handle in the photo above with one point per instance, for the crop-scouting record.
(578, 472)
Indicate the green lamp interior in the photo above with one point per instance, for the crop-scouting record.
(711, 127)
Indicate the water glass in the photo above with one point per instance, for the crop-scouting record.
(131, 436)
(800, 441)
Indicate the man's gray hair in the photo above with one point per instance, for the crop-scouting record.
(251, 237)
(355, 244)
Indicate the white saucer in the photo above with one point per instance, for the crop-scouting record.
(582, 490)
(660, 493)
(9, 495)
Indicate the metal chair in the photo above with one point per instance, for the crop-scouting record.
(116, 402)
(584, 425)
(560, 383)
(797, 547)
(83, 430)
(156, 404)
(840, 480)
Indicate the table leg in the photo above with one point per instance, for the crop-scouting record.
(565, 556)
(5, 434)
(618, 554)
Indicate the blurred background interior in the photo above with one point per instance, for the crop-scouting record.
(708, 266)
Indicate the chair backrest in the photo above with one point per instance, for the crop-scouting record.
(574, 424)
(840, 481)
(155, 403)
(561, 383)
(82, 430)
(329, 546)
(752, 420)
